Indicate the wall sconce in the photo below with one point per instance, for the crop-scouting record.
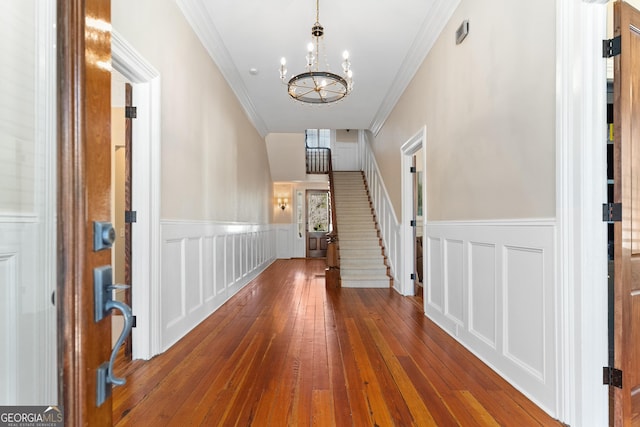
(283, 203)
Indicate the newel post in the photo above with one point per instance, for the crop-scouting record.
(332, 272)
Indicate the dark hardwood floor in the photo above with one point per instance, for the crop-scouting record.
(285, 351)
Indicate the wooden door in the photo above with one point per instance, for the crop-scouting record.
(626, 400)
(318, 223)
(84, 187)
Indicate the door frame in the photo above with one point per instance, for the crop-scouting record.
(408, 149)
(145, 80)
(581, 265)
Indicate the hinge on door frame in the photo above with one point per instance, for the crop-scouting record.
(611, 47)
(611, 212)
(413, 276)
(134, 321)
(130, 112)
(130, 217)
(412, 169)
(413, 223)
(612, 376)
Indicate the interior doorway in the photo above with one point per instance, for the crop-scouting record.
(122, 115)
(318, 223)
(414, 213)
(145, 249)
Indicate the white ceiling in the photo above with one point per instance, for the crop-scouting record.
(387, 41)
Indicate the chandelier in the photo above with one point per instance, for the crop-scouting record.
(315, 86)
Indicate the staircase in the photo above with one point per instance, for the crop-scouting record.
(362, 263)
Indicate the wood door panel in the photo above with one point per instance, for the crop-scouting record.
(625, 401)
(634, 130)
(84, 189)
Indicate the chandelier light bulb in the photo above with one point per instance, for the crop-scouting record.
(310, 47)
(283, 69)
(345, 55)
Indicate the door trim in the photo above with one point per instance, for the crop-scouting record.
(581, 187)
(408, 149)
(145, 80)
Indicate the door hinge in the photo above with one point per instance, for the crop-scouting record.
(134, 321)
(413, 276)
(611, 47)
(413, 223)
(612, 376)
(412, 169)
(130, 217)
(612, 212)
(130, 112)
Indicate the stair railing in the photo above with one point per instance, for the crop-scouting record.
(318, 160)
(332, 273)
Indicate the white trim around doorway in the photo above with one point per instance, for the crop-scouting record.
(145, 80)
(408, 149)
(581, 190)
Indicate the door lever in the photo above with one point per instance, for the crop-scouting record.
(103, 304)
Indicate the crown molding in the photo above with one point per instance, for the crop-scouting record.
(431, 29)
(200, 21)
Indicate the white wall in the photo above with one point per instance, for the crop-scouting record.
(28, 355)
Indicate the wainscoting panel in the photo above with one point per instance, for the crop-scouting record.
(453, 285)
(492, 285)
(523, 302)
(482, 292)
(173, 304)
(203, 265)
(8, 326)
(435, 290)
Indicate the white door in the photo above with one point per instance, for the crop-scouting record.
(28, 349)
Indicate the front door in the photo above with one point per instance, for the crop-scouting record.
(318, 223)
(84, 198)
(626, 400)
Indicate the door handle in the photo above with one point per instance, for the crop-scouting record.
(103, 304)
(126, 330)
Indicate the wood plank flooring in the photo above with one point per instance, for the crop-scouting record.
(285, 351)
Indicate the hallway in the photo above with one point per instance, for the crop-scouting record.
(284, 351)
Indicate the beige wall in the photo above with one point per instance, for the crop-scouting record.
(489, 108)
(343, 135)
(214, 162)
(287, 156)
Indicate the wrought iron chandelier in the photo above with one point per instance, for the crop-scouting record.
(315, 86)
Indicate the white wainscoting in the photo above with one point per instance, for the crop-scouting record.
(492, 286)
(203, 265)
(386, 216)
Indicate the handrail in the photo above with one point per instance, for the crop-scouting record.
(332, 273)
